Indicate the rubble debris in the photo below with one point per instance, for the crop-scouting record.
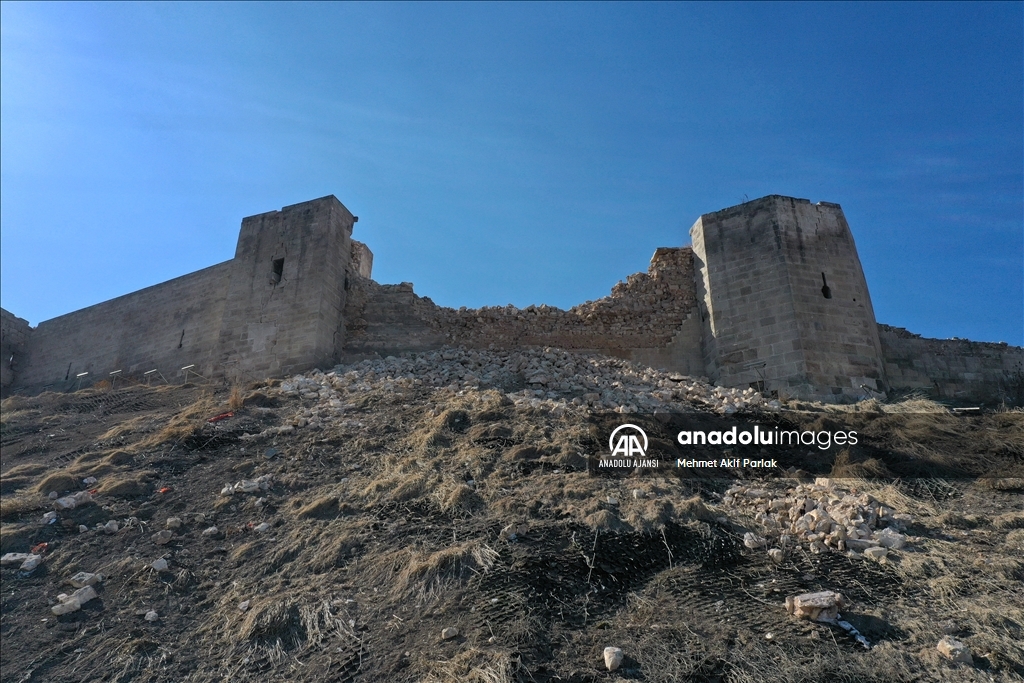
(821, 517)
(612, 658)
(74, 602)
(248, 486)
(173, 523)
(111, 527)
(820, 606)
(151, 616)
(449, 633)
(776, 555)
(955, 650)
(26, 562)
(73, 501)
(160, 565)
(163, 537)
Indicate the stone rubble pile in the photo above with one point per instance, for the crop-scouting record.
(541, 378)
(821, 517)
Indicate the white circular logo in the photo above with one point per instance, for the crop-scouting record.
(628, 443)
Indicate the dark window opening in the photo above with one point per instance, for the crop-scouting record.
(278, 271)
(825, 291)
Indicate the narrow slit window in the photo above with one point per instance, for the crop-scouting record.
(278, 271)
(825, 290)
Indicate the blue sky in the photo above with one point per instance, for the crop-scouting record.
(513, 153)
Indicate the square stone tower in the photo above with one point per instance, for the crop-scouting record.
(286, 292)
(784, 302)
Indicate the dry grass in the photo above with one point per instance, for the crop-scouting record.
(127, 427)
(20, 476)
(473, 666)
(181, 426)
(12, 507)
(235, 399)
(428, 571)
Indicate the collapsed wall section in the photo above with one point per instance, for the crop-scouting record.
(163, 327)
(650, 318)
(953, 368)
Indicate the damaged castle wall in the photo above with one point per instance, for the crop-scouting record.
(649, 318)
(772, 294)
(952, 368)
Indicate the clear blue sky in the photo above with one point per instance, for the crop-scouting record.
(513, 153)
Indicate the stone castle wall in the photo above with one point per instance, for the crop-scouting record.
(163, 327)
(14, 340)
(953, 368)
(784, 301)
(771, 295)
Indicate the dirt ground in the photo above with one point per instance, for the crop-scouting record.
(420, 508)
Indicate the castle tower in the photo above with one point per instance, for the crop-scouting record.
(286, 293)
(784, 302)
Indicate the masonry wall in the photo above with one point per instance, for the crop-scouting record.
(766, 318)
(163, 327)
(953, 368)
(650, 318)
(15, 335)
(287, 290)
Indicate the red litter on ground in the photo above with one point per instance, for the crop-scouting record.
(166, 489)
(40, 549)
(222, 416)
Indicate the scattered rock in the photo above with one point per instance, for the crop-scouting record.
(163, 537)
(449, 633)
(243, 606)
(821, 606)
(111, 527)
(74, 602)
(752, 540)
(877, 554)
(776, 555)
(31, 563)
(261, 528)
(82, 528)
(173, 523)
(160, 565)
(14, 558)
(954, 650)
(210, 532)
(612, 658)
(151, 615)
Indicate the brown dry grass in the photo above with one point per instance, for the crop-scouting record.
(182, 425)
